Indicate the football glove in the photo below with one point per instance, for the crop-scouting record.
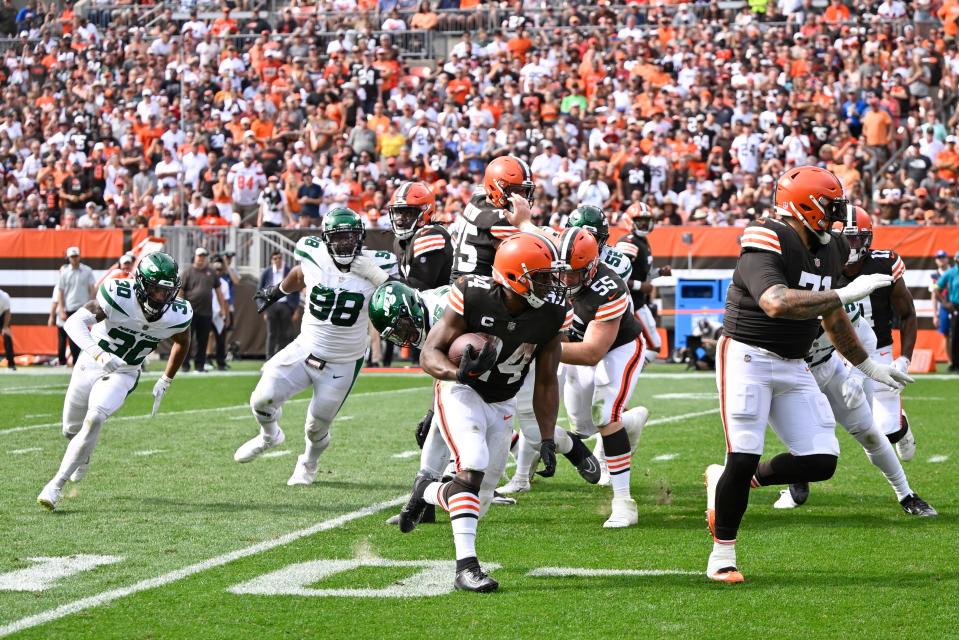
(159, 389)
(266, 296)
(423, 429)
(885, 374)
(474, 364)
(105, 360)
(862, 287)
(901, 364)
(853, 394)
(547, 453)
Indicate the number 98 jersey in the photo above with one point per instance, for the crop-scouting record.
(335, 320)
(125, 332)
(480, 301)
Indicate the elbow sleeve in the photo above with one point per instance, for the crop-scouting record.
(78, 326)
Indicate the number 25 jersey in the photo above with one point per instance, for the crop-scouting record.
(335, 320)
(773, 253)
(480, 301)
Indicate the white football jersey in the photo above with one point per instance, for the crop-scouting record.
(125, 332)
(335, 321)
(617, 261)
(247, 182)
(822, 346)
(435, 301)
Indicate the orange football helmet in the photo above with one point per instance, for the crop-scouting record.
(579, 250)
(813, 196)
(529, 265)
(505, 176)
(410, 208)
(641, 217)
(858, 232)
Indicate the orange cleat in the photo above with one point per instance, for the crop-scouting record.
(729, 575)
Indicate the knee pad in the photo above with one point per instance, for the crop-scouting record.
(94, 419)
(821, 466)
(316, 428)
(261, 403)
(896, 436)
(466, 482)
(71, 429)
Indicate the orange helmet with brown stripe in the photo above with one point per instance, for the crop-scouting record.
(858, 232)
(410, 208)
(813, 196)
(529, 264)
(579, 250)
(505, 176)
(641, 217)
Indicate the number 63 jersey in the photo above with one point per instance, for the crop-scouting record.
(125, 332)
(773, 253)
(335, 323)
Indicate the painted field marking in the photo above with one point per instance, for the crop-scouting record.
(343, 418)
(403, 455)
(939, 458)
(276, 454)
(581, 572)
(682, 416)
(20, 452)
(37, 415)
(432, 579)
(663, 457)
(112, 595)
(238, 418)
(148, 452)
(187, 412)
(695, 395)
(45, 572)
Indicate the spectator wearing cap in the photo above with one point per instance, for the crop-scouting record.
(91, 218)
(75, 190)
(545, 167)
(199, 284)
(76, 286)
(274, 211)
(947, 162)
(310, 197)
(246, 179)
(279, 317)
(940, 314)
(593, 191)
(947, 288)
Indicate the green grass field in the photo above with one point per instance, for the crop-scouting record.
(185, 528)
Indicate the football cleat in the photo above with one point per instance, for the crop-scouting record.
(916, 506)
(906, 447)
(503, 501)
(729, 575)
(589, 469)
(415, 507)
(515, 485)
(80, 472)
(49, 496)
(711, 479)
(252, 448)
(303, 474)
(393, 519)
(795, 495)
(474, 579)
(624, 514)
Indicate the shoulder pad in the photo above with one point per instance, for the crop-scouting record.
(761, 238)
(567, 320)
(180, 314)
(114, 300)
(627, 248)
(385, 260)
(618, 261)
(306, 249)
(430, 239)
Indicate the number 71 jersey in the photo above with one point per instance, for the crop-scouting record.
(125, 332)
(335, 321)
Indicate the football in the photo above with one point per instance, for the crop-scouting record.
(478, 340)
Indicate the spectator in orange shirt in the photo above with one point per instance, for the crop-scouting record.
(949, 14)
(459, 87)
(224, 25)
(947, 162)
(519, 45)
(877, 130)
(836, 12)
(262, 128)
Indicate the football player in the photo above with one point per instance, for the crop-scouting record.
(116, 332)
(781, 287)
(601, 364)
(425, 249)
(635, 245)
(878, 310)
(524, 306)
(593, 219)
(848, 401)
(339, 276)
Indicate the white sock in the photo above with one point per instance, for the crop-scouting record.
(464, 509)
(315, 448)
(434, 494)
(79, 449)
(881, 453)
(723, 555)
(564, 442)
(527, 456)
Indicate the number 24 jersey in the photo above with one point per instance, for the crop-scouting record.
(335, 320)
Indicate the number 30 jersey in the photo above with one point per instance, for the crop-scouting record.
(125, 332)
(480, 301)
(773, 253)
(335, 320)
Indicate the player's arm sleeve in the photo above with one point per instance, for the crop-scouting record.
(430, 256)
(614, 308)
(761, 270)
(898, 266)
(454, 298)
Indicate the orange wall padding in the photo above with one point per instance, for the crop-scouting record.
(45, 243)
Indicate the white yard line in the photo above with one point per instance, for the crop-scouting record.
(579, 572)
(276, 454)
(665, 457)
(148, 452)
(940, 458)
(403, 455)
(112, 595)
(20, 452)
(186, 412)
(682, 416)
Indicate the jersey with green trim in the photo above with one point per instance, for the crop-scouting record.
(877, 307)
(125, 332)
(335, 320)
(616, 260)
(822, 347)
(435, 301)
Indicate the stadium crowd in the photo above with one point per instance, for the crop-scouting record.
(270, 119)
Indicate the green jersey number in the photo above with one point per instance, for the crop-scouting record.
(122, 288)
(340, 309)
(125, 345)
(310, 241)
